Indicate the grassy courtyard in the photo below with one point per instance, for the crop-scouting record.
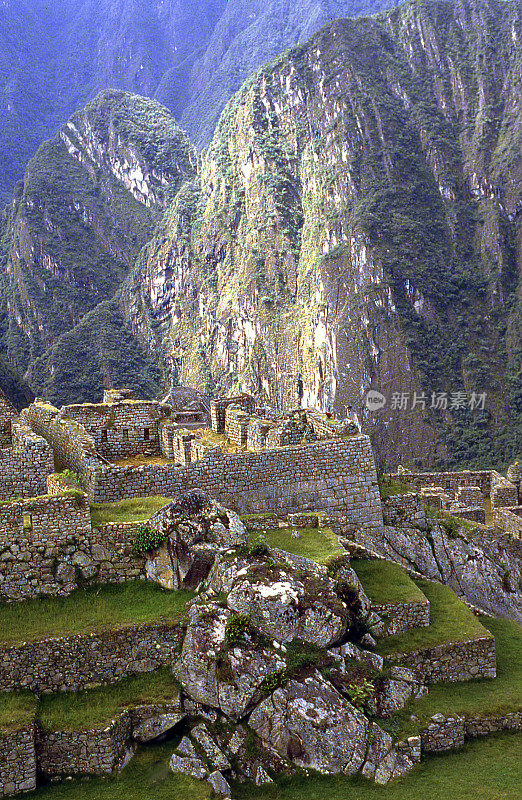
(385, 582)
(317, 544)
(134, 509)
(90, 610)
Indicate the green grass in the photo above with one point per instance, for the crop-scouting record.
(317, 544)
(87, 610)
(134, 509)
(147, 777)
(390, 487)
(483, 697)
(385, 582)
(94, 708)
(485, 769)
(450, 621)
(17, 709)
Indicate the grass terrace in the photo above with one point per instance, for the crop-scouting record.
(385, 582)
(480, 698)
(390, 486)
(317, 544)
(96, 609)
(95, 708)
(143, 460)
(133, 509)
(485, 769)
(17, 709)
(450, 621)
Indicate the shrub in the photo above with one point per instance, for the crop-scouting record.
(147, 539)
(361, 693)
(236, 629)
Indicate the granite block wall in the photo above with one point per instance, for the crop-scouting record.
(17, 761)
(329, 474)
(453, 662)
(82, 661)
(49, 547)
(24, 464)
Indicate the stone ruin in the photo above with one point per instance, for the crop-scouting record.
(264, 623)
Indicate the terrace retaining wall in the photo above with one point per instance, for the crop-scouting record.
(17, 761)
(449, 732)
(452, 662)
(402, 617)
(83, 661)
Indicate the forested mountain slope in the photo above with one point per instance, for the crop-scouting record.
(192, 55)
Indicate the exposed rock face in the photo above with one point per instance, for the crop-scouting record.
(226, 679)
(89, 202)
(476, 569)
(311, 724)
(286, 606)
(321, 276)
(196, 528)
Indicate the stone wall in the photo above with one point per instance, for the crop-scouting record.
(400, 617)
(449, 663)
(449, 732)
(477, 514)
(503, 492)
(73, 447)
(330, 474)
(24, 464)
(510, 520)
(236, 425)
(121, 429)
(17, 761)
(218, 409)
(84, 752)
(490, 483)
(82, 661)
(8, 414)
(49, 547)
(469, 496)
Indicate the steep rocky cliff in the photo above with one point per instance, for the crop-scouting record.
(191, 55)
(88, 204)
(355, 225)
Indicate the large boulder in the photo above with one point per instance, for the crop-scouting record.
(311, 724)
(286, 603)
(194, 528)
(216, 674)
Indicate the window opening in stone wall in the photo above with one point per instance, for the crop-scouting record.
(28, 522)
(125, 435)
(146, 434)
(104, 436)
